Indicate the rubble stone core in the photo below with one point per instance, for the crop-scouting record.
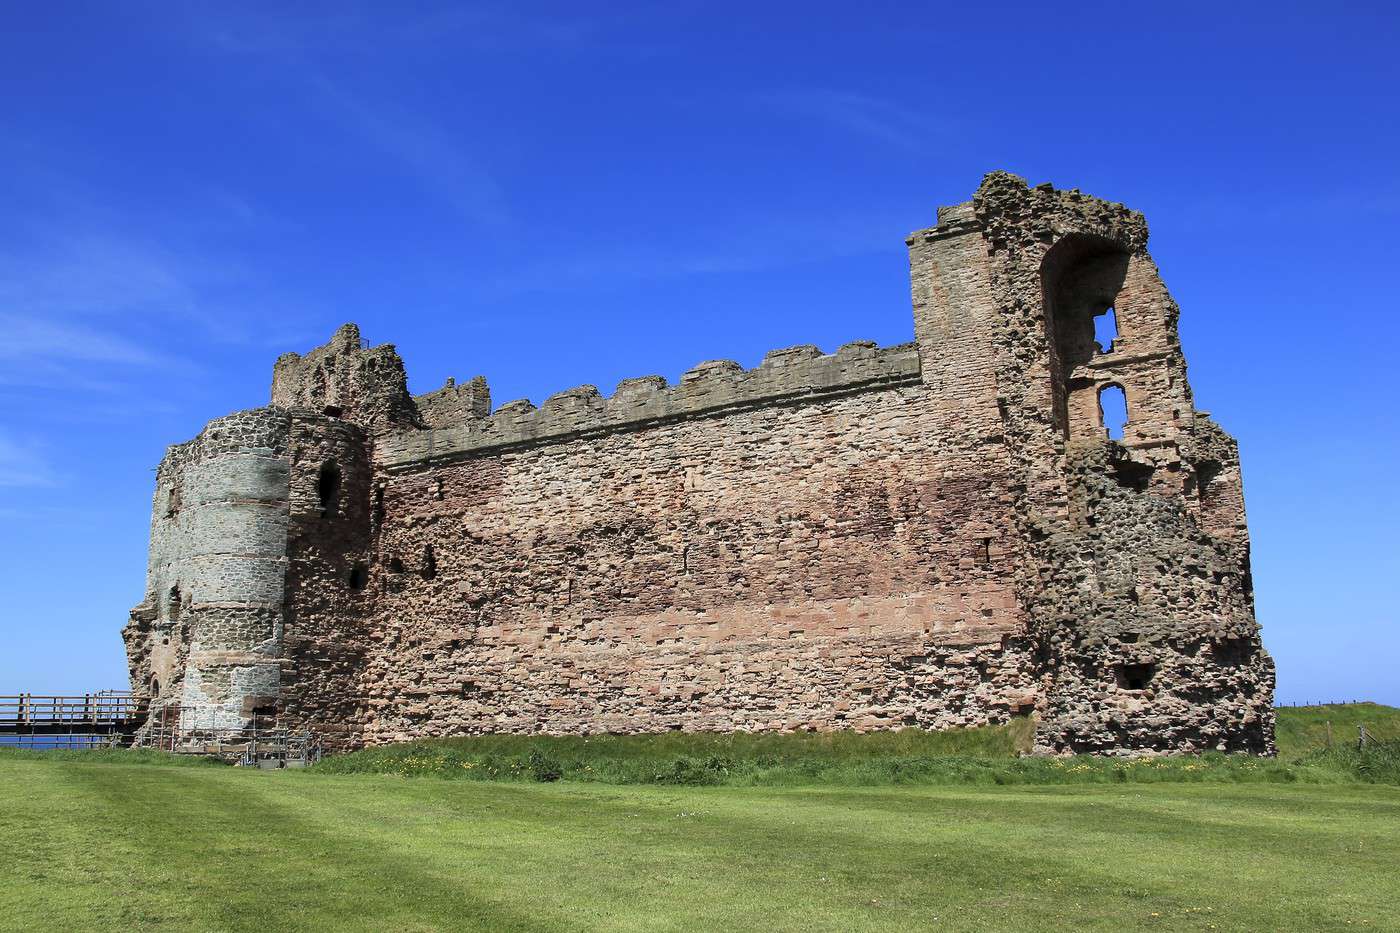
(935, 534)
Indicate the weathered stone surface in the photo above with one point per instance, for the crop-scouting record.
(934, 534)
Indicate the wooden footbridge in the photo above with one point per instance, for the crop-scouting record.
(117, 719)
(89, 720)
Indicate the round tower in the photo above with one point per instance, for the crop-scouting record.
(207, 639)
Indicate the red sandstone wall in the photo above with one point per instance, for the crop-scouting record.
(820, 565)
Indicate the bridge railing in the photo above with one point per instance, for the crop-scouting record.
(108, 708)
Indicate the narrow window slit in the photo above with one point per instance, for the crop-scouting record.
(378, 514)
(328, 488)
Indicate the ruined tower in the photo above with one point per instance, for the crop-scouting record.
(935, 534)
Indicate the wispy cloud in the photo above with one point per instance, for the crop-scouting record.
(1244, 207)
(91, 275)
(313, 46)
(87, 308)
(367, 29)
(440, 164)
(23, 463)
(861, 114)
(31, 338)
(749, 244)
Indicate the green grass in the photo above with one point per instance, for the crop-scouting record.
(101, 846)
(980, 840)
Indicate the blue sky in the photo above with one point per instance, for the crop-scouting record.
(558, 194)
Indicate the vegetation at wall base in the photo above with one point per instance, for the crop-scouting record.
(957, 757)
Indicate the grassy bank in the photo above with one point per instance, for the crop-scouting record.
(103, 846)
(959, 757)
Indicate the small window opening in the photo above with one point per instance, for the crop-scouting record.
(173, 604)
(1113, 410)
(332, 411)
(1233, 652)
(172, 504)
(1132, 475)
(359, 576)
(155, 687)
(984, 551)
(395, 565)
(429, 563)
(378, 515)
(1135, 676)
(328, 488)
(1206, 472)
(1106, 329)
(685, 560)
(437, 487)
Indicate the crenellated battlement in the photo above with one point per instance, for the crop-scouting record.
(795, 375)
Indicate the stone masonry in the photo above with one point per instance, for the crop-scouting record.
(936, 534)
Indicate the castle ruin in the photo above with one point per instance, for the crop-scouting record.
(935, 534)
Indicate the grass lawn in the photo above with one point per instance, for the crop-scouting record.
(122, 841)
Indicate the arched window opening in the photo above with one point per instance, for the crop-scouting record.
(359, 576)
(328, 488)
(172, 604)
(396, 565)
(155, 687)
(1113, 410)
(1081, 278)
(1105, 329)
(429, 569)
